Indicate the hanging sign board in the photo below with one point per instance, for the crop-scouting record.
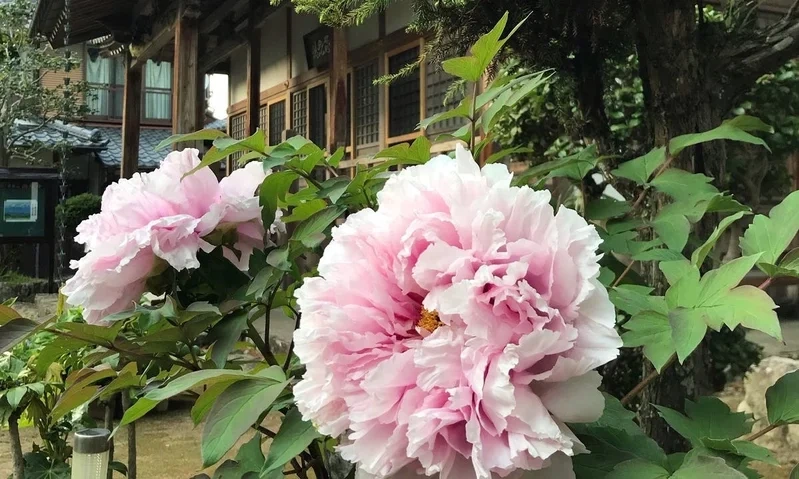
(319, 47)
(21, 202)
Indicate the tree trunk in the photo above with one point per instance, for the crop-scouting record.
(131, 438)
(677, 101)
(17, 459)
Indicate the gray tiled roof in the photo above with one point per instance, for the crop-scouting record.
(217, 124)
(53, 134)
(149, 138)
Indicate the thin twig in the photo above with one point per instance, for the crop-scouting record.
(291, 346)
(761, 432)
(645, 382)
(298, 469)
(623, 274)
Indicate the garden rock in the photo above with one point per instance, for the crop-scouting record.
(784, 439)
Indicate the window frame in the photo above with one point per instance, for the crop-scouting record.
(389, 140)
(119, 88)
(284, 97)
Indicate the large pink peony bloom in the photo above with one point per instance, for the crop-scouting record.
(456, 330)
(157, 219)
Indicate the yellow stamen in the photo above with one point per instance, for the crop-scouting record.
(429, 320)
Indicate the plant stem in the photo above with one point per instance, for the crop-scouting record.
(131, 437)
(298, 469)
(473, 119)
(108, 423)
(765, 284)
(291, 345)
(623, 274)
(762, 432)
(16, 445)
(645, 382)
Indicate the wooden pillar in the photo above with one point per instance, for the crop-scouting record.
(186, 76)
(253, 77)
(337, 132)
(131, 118)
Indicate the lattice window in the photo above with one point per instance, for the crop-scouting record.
(263, 118)
(238, 131)
(348, 123)
(299, 112)
(277, 122)
(438, 82)
(367, 105)
(403, 94)
(317, 109)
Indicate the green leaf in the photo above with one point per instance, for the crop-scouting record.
(673, 229)
(741, 448)
(631, 298)
(274, 189)
(658, 254)
(463, 110)
(334, 188)
(507, 152)
(782, 400)
(698, 256)
(224, 336)
(676, 270)
(308, 232)
(202, 135)
(15, 395)
(681, 185)
(305, 210)
(250, 456)
(771, 235)
(13, 331)
(294, 436)
(605, 208)
(153, 397)
(207, 399)
(716, 301)
(729, 130)
(708, 418)
(577, 166)
(638, 469)
(640, 169)
(700, 466)
(652, 331)
(236, 409)
(795, 473)
(687, 331)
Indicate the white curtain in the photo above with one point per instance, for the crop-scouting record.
(158, 90)
(98, 73)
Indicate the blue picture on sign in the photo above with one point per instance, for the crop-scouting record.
(20, 211)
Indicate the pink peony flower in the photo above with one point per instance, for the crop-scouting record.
(157, 219)
(455, 330)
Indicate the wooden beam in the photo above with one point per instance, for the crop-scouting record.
(155, 45)
(253, 79)
(218, 16)
(186, 76)
(131, 118)
(337, 133)
(212, 58)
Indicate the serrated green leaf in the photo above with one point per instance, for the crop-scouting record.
(272, 190)
(707, 418)
(507, 152)
(236, 409)
(577, 166)
(463, 110)
(640, 169)
(658, 254)
(673, 229)
(782, 400)
(630, 298)
(294, 436)
(305, 210)
(652, 331)
(699, 255)
(771, 235)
